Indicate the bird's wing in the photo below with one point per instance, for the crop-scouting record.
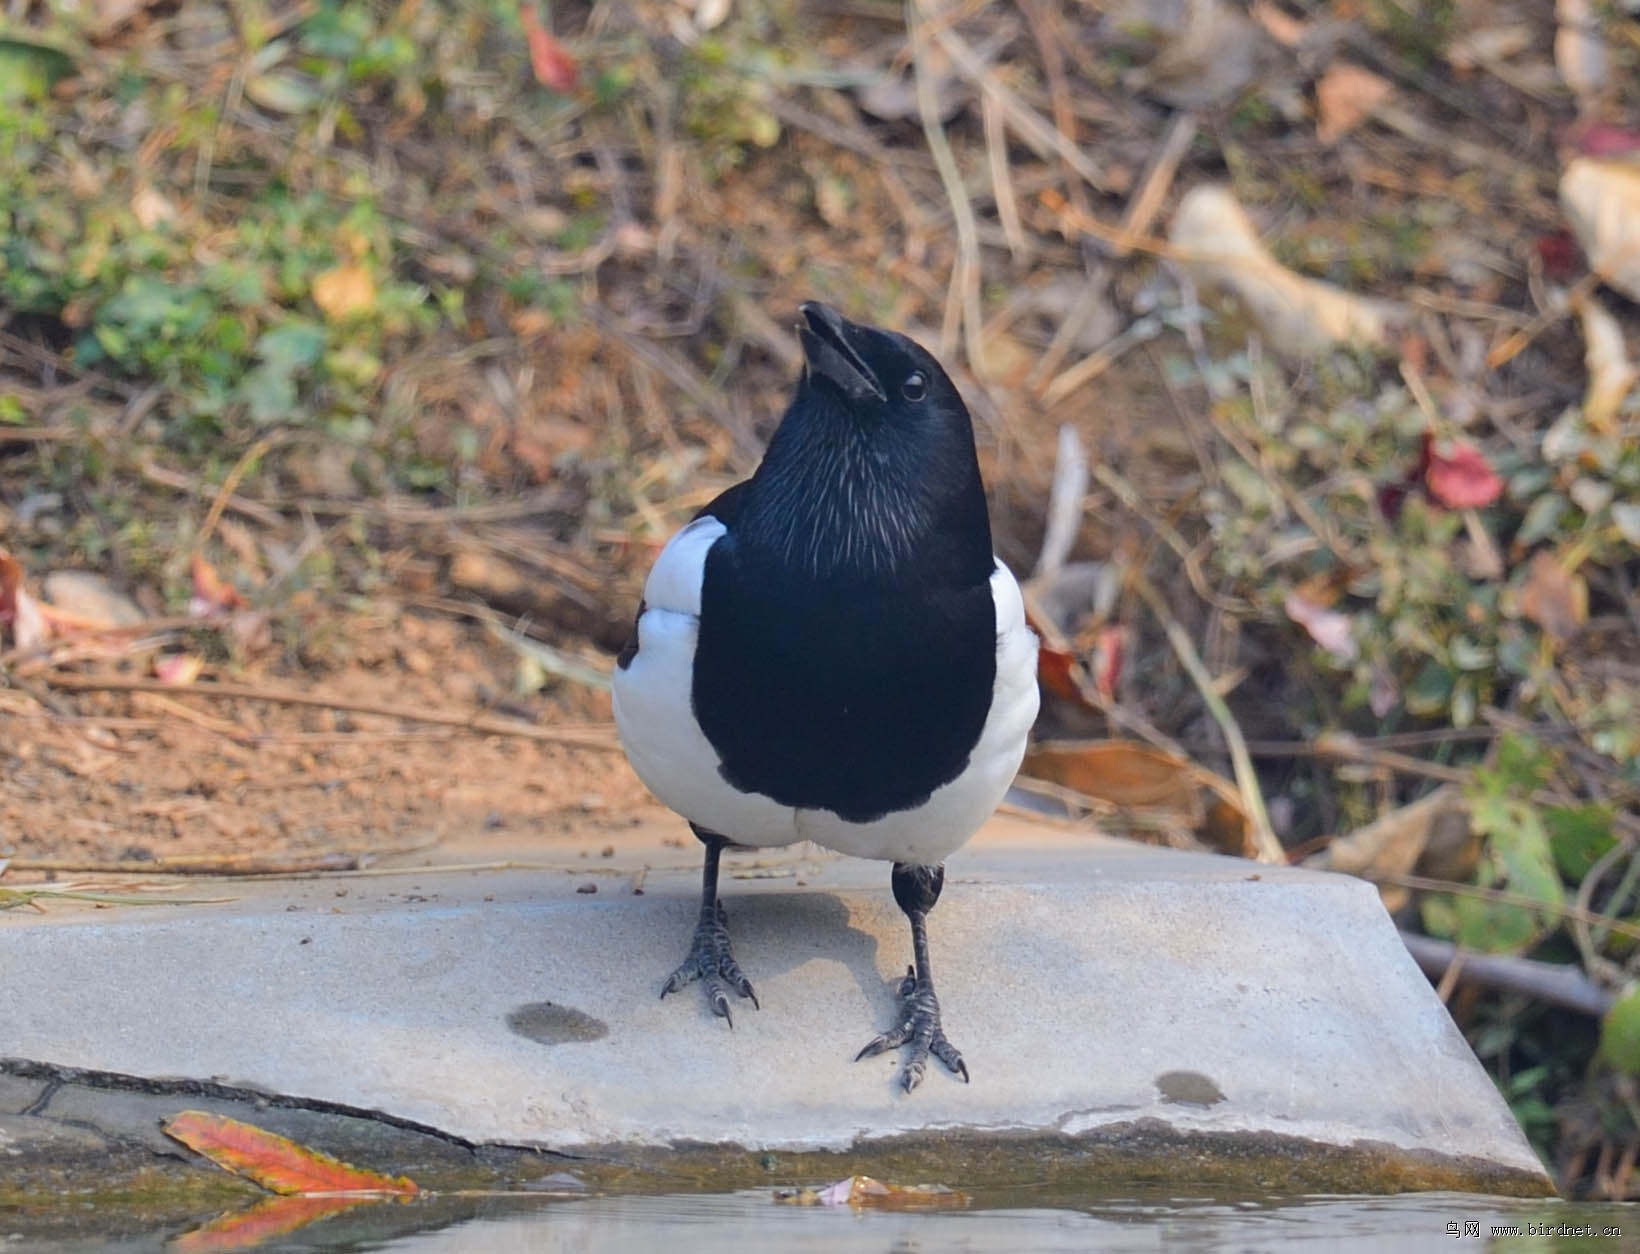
(681, 563)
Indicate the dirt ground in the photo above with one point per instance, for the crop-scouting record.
(188, 781)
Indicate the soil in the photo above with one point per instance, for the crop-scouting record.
(133, 778)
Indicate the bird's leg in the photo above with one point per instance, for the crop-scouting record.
(916, 889)
(709, 958)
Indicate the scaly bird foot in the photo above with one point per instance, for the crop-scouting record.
(711, 962)
(919, 1028)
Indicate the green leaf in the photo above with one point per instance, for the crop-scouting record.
(1620, 1033)
(1492, 927)
(291, 346)
(1431, 690)
(29, 70)
(1579, 837)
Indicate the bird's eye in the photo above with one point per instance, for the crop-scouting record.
(915, 386)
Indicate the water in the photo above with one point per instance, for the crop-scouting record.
(751, 1221)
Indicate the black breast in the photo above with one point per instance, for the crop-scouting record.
(851, 698)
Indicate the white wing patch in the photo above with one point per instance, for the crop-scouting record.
(654, 713)
(654, 710)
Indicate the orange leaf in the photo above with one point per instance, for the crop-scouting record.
(344, 291)
(554, 67)
(272, 1217)
(212, 593)
(275, 1162)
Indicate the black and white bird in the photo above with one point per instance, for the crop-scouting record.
(830, 651)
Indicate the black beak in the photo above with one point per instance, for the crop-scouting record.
(826, 345)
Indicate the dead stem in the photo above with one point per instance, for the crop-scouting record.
(1252, 797)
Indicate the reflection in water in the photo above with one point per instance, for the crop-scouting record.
(742, 1223)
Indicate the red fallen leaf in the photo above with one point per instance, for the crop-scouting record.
(275, 1162)
(272, 1217)
(18, 609)
(1461, 479)
(555, 69)
(1602, 139)
(212, 593)
(1560, 255)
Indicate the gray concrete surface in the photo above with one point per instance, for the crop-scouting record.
(1090, 984)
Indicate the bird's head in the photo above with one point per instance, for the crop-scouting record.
(873, 468)
(878, 375)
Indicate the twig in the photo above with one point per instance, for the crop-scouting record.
(1065, 498)
(1516, 343)
(590, 737)
(1142, 209)
(1252, 798)
(223, 493)
(1002, 186)
(1498, 896)
(962, 302)
(1042, 138)
(1100, 360)
(254, 864)
(1557, 983)
(254, 510)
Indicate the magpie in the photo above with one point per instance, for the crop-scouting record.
(830, 651)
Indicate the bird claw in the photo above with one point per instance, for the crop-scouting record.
(920, 1028)
(711, 962)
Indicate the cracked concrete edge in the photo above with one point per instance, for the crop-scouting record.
(76, 1118)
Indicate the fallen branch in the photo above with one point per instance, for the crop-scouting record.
(1554, 982)
(589, 737)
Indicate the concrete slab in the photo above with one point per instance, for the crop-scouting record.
(1092, 985)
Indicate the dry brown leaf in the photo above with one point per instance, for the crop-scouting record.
(1345, 97)
(344, 291)
(1612, 375)
(1601, 200)
(1554, 598)
(1148, 781)
(275, 1162)
(87, 599)
(1393, 844)
(1220, 249)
